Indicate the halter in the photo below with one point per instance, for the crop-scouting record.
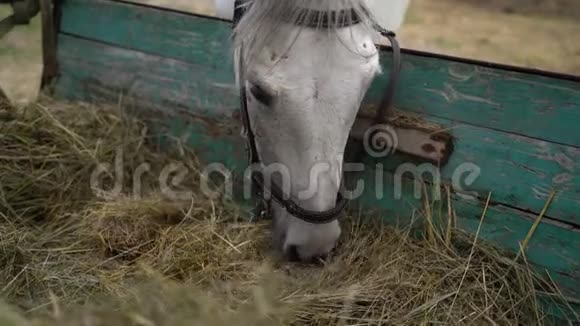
(316, 20)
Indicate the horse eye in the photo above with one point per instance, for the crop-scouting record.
(261, 95)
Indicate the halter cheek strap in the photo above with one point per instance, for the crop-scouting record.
(313, 217)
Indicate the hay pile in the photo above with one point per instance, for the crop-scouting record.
(68, 257)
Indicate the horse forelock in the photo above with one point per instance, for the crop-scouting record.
(264, 18)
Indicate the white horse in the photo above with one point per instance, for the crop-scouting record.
(305, 66)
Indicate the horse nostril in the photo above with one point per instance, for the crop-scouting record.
(292, 253)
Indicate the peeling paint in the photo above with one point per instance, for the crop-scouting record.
(461, 72)
(562, 178)
(541, 193)
(530, 82)
(450, 94)
(564, 161)
(573, 151)
(527, 168)
(541, 146)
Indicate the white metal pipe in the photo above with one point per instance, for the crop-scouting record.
(389, 13)
(224, 9)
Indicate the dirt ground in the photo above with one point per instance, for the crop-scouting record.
(532, 33)
(542, 34)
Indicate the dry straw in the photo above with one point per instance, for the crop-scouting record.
(70, 258)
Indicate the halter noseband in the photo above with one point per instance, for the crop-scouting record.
(318, 19)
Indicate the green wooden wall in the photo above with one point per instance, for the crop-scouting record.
(519, 127)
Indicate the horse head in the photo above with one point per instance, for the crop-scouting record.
(304, 67)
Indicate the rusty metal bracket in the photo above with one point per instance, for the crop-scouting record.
(406, 134)
(50, 63)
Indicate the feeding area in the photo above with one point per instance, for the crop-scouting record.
(71, 257)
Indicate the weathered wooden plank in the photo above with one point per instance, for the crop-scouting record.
(48, 41)
(199, 40)
(187, 96)
(174, 83)
(516, 102)
(519, 170)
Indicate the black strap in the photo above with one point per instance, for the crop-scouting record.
(308, 216)
(386, 107)
(313, 217)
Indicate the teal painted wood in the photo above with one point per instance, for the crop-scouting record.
(520, 103)
(204, 42)
(521, 171)
(171, 83)
(533, 166)
(183, 93)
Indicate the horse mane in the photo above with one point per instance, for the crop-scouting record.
(263, 18)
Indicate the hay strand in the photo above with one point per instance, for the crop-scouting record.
(537, 222)
(473, 246)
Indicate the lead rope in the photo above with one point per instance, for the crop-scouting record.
(263, 206)
(386, 106)
(385, 109)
